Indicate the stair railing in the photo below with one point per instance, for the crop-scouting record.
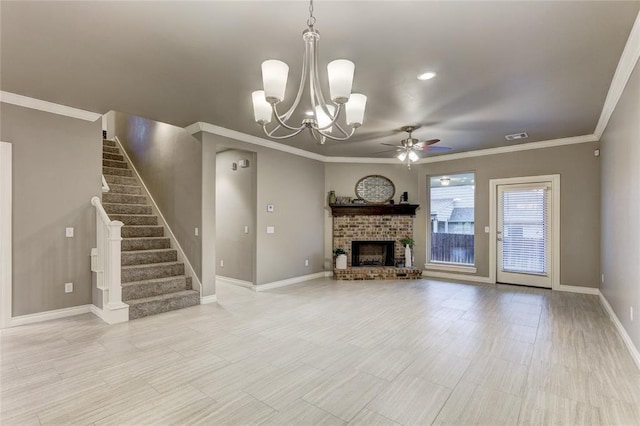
(105, 185)
(106, 263)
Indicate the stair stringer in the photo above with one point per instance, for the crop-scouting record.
(189, 271)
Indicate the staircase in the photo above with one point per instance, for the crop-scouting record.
(153, 281)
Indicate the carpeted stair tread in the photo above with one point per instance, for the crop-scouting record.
(121, 180)
(115, 164)
(139, 308)
(151, 270)
(110, 149)
(142, 231)
(116, 171)
(125, 189)
(135, 219)
(107, 142)
(112, 198)
(142, 257)
(155, 287)
(125, 209)
(145, 243)
(112, 156)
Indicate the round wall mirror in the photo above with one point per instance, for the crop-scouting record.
(375, 189)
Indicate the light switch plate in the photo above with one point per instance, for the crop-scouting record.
(68, 287)
(68, 232)
(246, 229)
(486, 229)
(271, 229)
(196, 232)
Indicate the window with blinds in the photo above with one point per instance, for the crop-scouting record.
(525, 230)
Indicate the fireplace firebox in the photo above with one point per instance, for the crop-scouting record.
(372, 253)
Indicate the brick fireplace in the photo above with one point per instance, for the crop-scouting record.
(384, 225)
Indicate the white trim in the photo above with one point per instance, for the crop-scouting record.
(112, 315)
(633, 351)
(233, 281)
(50, 315)
(289, 281)
(555, 220)
(208, 299)
(578, 289)
(627, 63)
(233, 134)
(457, 277)
(6, 277)
(450, 268)
(511, 148)
(27, 102)
(184, 258)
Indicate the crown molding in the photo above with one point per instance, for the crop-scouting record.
(233, 134)
(512, 148)
(40, 105)
(627, 63)
(243, 137)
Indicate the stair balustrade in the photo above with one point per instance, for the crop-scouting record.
(106, 263)
(105, 185)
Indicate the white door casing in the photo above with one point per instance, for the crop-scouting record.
(5, 234)
(554, 233)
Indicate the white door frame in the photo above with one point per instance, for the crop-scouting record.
(555, 223)
(5, 234)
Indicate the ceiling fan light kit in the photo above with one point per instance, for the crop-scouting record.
(325, 115)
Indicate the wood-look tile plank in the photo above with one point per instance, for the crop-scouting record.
(410, 400)
(301, 412)
(346, 393)
(371, 418)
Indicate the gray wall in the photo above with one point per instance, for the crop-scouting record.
(580, 200)
(620, 208)
(169, 161)
(235, 209)
(56, 171)
(295, 186)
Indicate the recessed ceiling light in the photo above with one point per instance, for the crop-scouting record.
(427, 75)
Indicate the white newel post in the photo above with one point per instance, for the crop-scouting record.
(106, 263)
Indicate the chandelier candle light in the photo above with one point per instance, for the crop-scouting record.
(323, 116)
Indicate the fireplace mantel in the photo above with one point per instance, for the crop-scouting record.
(373, 209)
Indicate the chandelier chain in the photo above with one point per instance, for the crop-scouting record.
(312, 19)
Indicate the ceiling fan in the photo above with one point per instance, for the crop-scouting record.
(410, 147)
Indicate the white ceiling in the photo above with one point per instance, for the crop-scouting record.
(503, 67)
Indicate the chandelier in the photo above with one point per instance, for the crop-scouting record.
(322, 118)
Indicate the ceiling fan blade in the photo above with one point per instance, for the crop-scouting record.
(436, 148)
(431, 141)
(388, 150)
(390, 144)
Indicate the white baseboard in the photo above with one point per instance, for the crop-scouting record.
(112, 316)
(635, 354)
(208, 299)
(457, 277)
(234, 281)
(290, 281)
(50, 315)
(578, 289)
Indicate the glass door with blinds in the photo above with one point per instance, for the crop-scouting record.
(524, 234)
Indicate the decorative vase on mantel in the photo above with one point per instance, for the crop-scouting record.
(407, 257)
(332, 197)
(341, 261)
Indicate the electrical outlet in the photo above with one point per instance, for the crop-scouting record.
(196, 232)
(68, 287)
(68, 232)
(306, 262)
(222, 263)
(246, 229)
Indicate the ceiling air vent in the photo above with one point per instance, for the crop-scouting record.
(516, 136)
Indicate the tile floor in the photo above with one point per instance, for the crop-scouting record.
(326, 352)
